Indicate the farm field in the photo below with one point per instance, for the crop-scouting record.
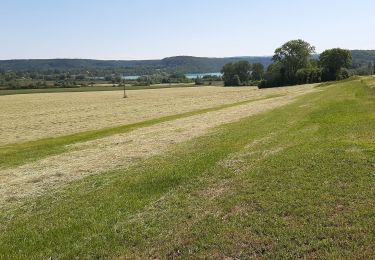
(31, 117)
(120, 150)
(190, 172)
(95, 87)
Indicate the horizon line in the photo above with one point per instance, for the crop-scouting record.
(149, 59)
(155, 59)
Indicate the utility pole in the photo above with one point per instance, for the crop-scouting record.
(125, 96)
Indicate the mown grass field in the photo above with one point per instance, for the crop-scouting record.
(37, 116)
(293, 182)
(19, 153)
(97, 87)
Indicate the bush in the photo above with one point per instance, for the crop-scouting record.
(262, 84)
(343, 74)
(255, 82)
(199, 81)
(236, 80)
(309, 75)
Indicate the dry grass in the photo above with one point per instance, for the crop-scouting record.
(34, 116)
(123, 150)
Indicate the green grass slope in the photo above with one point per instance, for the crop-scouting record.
(294, 182)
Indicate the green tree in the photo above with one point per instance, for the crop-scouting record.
(199, 81)
(177, 77)
(243, 70)
(257, 71)
(343, 74)
(333, 60)
(10, 76)
(275, 76)
(370, 67)
(236, 74)
(293, 55)
(117, 79)
(308, 75)
(228, 72)
(237, 80)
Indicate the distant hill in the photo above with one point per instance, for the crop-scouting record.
(188, 64)
(184, 64)
(363, 55)
(70, 64)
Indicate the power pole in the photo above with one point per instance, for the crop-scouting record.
(125, 96)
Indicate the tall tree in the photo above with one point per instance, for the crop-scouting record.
(274, 76)
(333, 60)
(293, 55)
(243, 70)
(228, 72)
(257, 71)
(236, 74)
(370, 67)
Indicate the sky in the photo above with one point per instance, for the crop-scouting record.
(153, 29)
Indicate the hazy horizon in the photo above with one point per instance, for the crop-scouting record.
(240, 56)
(151, 30)
(59, 58)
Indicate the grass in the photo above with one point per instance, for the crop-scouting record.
(36, 116)
(4, 92)
(295, 182)
(21, 153)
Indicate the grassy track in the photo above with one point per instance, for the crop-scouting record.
(20, 153)
(291, 183)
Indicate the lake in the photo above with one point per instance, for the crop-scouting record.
(201, 75)
(130, 77)
(189, 75)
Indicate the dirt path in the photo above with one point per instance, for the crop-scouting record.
(120, 151)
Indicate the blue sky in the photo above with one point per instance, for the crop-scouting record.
(150, 29)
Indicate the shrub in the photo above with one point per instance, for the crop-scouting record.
(343, 74)
(199, 81)
(309, 75)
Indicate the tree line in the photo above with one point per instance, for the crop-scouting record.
(242, 73)
(295, 62)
